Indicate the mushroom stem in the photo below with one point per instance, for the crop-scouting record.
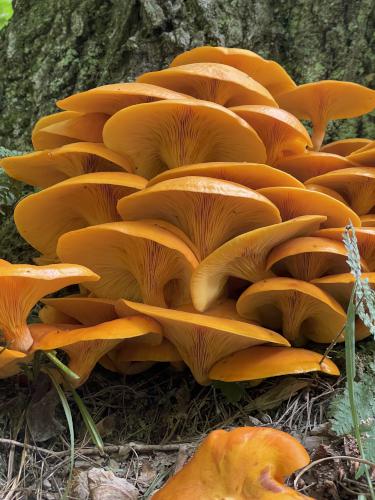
(18, 337)
(318, 134)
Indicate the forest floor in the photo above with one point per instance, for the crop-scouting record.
(151, 423)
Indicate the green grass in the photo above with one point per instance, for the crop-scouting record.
(6, 12)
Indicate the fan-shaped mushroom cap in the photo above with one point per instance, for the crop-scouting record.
(214, 82)
(201, 339)
(167, 134)
(243, 464)
(81, 201)
(293, 202)
(244, 257)
(356, 185)
(10, 362)
(298, 309)
(327, 100)
(209, 211)
(68, 128)
(309, 257)
(365, 239)
(282, 133)
(51, 316)
(345, 146)
(22, 286)
(137, 260)
(264, 362)
(270, 74)
(251, 175)
(368, 220)
(85, 346)
(111, 98)
(311, 164)
(364, 156)
(48, 167)
(327, 191)
(88, 311)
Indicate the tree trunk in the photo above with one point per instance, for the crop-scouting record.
(51, 49)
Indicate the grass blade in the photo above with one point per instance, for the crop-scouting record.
(60, 365)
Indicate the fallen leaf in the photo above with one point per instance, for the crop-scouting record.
(100, 484)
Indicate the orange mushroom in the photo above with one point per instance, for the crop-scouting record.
(22, 286)
(39, 138)
(368, 220)
(327, 100)
(137, 260)
(244, 257)
(281, 133)
(209, 211)
(293, 202)
(364, 156)
(48, 167)
(345, 147)
(270, 74)
(325, 190)
(12, 361)
(213, 82)
(167, 134)
(203, 339)
(95, 197)
(300, 310)
(242, 464)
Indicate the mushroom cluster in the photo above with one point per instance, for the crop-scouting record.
(210, 219)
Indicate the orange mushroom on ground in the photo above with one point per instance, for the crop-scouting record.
(11, 362)
(299, 310)
(242, 464)
(213, 82)
(269, 73)
(48, 167)
(166, 134)
(325, 190)
(209, 211)
(327, 100)
(281, 132)
(364, 156)
(345, 147)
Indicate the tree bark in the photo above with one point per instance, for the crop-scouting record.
(53, 48)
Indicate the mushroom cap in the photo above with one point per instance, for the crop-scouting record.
(328, 100)
(365, 155)
(241, 464)
(325, 190)
(298, 309)
(209, 211)
(264, 361)
(268, 73)
(340, 286)
(244, 257)
(309, 257)
(365, 239)
(281, 132)
(251, 175)
(368, 220)
(203, 339)
(79, 127)
(356, 185)
(111, 98)
(213, 82)
(48, 167)
(293, 202)
(167, 134)
(345, 146)
(11, 361)
(138, 260)
(311, 164)
(96, 194)
(22, 286)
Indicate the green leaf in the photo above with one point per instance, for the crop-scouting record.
(6, 12)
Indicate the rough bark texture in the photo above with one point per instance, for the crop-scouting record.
(52, 48)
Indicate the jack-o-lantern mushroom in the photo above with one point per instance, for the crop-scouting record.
(309, 257)
(327, 191)
(311, 164)
(251, 175)
(48, 167)
(327, 100)
(242, 464)
(203, 339)
(356, 185)
(111, 98)
(364, 156)
(22, 286)
(282, 133)
(213, 82)
(66, 127)
(293, 202)
(299, 310)
(345, 147)
(268, 73)
(11, 362)
(89, 199)
(141, 261)
(166, 134)
(209, 211)
(368, 220)
(244, 257)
